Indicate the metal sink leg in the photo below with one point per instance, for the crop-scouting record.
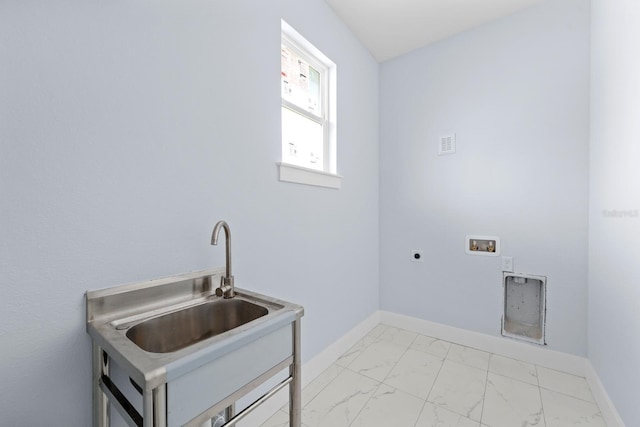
(100, 363)
(295, 387)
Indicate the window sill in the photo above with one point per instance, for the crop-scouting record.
(300, 175)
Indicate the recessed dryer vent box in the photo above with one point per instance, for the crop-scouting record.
(524, 307)
(482, 245)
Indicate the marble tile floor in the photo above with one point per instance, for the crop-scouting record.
(396, 378)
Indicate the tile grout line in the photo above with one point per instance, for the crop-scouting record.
(344, 368)
(467, 416)
(420, 413)
(513, 379)
(565, 393)
(424, 403)
(426, 400)
(375, 340)
(325, 386)
(396, 364)
(484, 395)
(365, 403)
(380, 383)
(570, 395)
(544, 416)
(397, 361)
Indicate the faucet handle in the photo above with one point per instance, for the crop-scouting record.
(226, 287)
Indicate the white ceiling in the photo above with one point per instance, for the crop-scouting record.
(389, 28)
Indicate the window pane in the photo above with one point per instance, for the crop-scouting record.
(314, 91)
(302, 140)
(300, 81)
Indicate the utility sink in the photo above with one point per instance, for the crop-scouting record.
(182, 328)
(189, 352)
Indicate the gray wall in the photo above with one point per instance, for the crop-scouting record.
(614, 221)
(127, 129)
(516, 93)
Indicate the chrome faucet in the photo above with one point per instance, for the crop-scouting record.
(226, 288)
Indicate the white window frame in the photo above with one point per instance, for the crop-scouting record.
(327, 177)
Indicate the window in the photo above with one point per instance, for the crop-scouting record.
(307, 79)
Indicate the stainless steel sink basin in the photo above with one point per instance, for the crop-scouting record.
(180, 329)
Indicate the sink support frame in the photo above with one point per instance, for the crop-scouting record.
(154, 414)
(106, 394)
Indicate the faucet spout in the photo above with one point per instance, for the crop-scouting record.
(226, 288)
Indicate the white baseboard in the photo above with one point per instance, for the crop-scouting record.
(525, 352)
(312, 369)
(609, 411)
